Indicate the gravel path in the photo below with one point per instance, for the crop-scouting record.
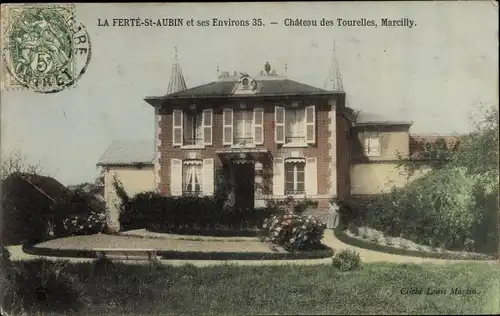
(88, 242)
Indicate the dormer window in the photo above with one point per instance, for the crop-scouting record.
(245, 85)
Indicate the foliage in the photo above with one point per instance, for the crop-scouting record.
(16, 162)
(151, 208)
(478, 151)
(90, 224)
(434, 155)
(432, 210)
(455, 204)
(347, 260)
(44, 286)
(293, 231)
(292, 204)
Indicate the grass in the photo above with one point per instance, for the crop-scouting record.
(154, 289)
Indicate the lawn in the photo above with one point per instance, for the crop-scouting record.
(292, 289)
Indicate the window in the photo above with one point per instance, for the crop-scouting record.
(193, 128)
(243, 127)
(191, 180)
(294, 178)
(294, 125)
(371, 144)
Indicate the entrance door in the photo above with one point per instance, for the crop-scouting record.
(244, 179)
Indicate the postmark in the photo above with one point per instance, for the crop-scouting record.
(45, 50)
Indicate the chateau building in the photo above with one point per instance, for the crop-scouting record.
(268, 137)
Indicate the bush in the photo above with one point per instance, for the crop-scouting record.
(43, 286)
(92, 223)
(447, 208)
(347, 260)
(292, 205)
(294, 232)
(188, 212)
(352, 211)
(436, 206)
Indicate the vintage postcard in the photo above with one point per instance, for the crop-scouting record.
(276, 158)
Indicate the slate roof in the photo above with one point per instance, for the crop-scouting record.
(225, 89)
(177, 82)
(129, 152)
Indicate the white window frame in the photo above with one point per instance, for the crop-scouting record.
(295, 166)
(368, 149)
(193, 173)
(197, 142)
(296, 110)
(249, 117)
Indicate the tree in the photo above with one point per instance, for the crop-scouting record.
(16, 162)
(479, 150)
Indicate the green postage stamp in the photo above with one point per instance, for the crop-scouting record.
(44, 48)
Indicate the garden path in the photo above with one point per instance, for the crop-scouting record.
(329, 240)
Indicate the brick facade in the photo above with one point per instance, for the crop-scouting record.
(322, 149)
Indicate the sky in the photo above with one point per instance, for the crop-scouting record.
(435, 74)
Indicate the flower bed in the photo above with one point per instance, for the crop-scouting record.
(92, 223)
(365, 237)
(294, 232)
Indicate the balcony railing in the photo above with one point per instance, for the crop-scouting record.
(193, 141)
(295, 139)
(242, 141)
(295, 192)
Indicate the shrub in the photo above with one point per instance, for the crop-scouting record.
(92, 223)
(44, 286)
(350, 212)
(436, 206)
(347, 260)
(294, 232)
(149, 209)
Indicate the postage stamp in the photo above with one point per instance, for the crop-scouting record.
(45, 50)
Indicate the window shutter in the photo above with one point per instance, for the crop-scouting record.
(279, 176)
(279, 121)
(208, 176)
(258, 126)
(175, 177)
(311, 176)
(227, 129)
(177, 130)
(207, 127)
(310, 124)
